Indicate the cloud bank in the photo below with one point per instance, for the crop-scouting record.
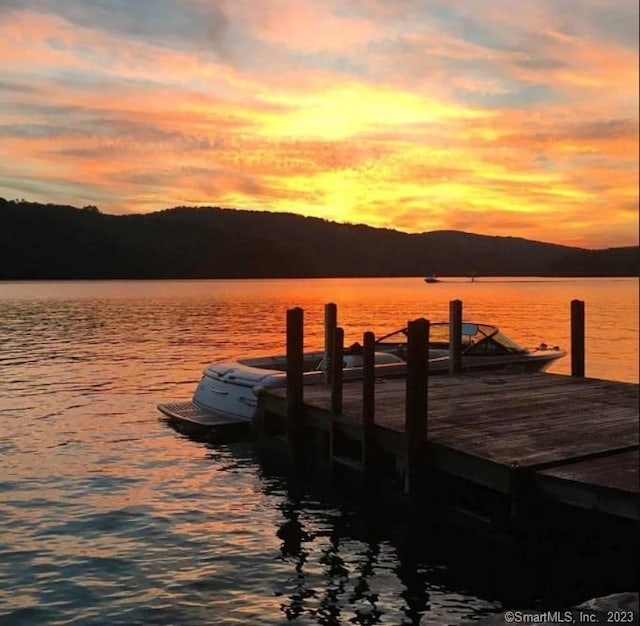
(405, 114)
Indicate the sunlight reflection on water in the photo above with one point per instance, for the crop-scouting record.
(110, 517)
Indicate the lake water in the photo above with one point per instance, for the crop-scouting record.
(108, 516)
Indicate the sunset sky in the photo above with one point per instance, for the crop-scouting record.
(497, 117)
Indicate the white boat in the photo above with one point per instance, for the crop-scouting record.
(432, 278)
(229, 388)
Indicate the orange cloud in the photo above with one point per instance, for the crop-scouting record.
(494, 121)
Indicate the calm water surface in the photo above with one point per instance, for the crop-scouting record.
(110, 517)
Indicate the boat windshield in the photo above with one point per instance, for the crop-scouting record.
(507, 343)
(491, 343)
(471, 333)
(477, 339)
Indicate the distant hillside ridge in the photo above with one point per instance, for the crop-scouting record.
(46, 241)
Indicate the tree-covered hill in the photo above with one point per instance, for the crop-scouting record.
(45, 241)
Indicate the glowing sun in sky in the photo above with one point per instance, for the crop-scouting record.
(415, 115)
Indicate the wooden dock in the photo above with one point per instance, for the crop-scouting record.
(572, 440)
(508, 442)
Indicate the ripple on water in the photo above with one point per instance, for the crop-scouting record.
(110, 517)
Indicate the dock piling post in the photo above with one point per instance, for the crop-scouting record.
(295, 367)
(336, 389)
(416, 409)
(368, 402)
(330, 323)
(455, 336)
(336, 374)
(577, 338)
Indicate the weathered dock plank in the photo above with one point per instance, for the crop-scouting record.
(616, 471)
(501, 419)
(481, 426)
(602, 483)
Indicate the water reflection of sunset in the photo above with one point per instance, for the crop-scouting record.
(431, 117)
(109, 515)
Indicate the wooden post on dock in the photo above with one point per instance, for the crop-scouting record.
(455, 336)
(416, 409)
(577, 338)
(295, 367)
(336, 389)
(336, 373)
(330, 323)
(368, 402)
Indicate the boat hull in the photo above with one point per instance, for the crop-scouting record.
(228, 390)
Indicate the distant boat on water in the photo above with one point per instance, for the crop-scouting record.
(432, 278)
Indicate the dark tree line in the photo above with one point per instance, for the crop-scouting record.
(45, 241)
